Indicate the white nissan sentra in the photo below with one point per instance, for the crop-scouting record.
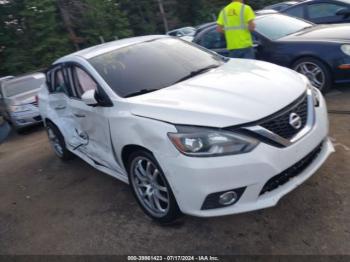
(190, 131)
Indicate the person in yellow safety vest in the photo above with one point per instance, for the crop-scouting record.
(236, 21)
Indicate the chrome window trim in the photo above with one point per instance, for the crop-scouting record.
(287, 142)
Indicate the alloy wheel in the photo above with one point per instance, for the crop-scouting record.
(313, 72)
(150, 187)
(55, 142)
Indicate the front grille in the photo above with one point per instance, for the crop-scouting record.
(291, 172)
(279, 124)
(35, 104)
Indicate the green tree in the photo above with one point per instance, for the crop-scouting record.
(44, 30)
(102, 19)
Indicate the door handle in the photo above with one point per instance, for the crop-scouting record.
(79, 115)
(60, 107)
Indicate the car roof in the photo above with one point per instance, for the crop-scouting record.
(259, 13)
(288, 2)
(265, 12)
(6, 78)
(300, 2)
(22, 78)
(97, 50)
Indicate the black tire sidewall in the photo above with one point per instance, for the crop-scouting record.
(324, 68)
(174, 212)
(66, 153)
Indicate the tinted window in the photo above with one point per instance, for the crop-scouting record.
(22, 86)
(213, 40)
(277, 7)
(323, 10)
(297, 11)
(277, 26)
(151, 65)
(59, 83)
(82, 81)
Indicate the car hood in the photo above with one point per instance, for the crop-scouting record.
(238, 92)
(323, 33)
(24, 98)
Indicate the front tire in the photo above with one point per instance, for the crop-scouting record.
(57, 142)
(316, 71)
(151, 189)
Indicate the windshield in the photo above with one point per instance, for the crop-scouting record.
(277, 26)
(152, 65)
(17, 87)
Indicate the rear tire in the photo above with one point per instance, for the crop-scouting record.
(151, 188)
(316, 71)
(57, 142)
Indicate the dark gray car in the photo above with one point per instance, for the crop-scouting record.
(18, 103)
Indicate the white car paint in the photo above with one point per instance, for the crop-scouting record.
(239, 92)
(226, 103)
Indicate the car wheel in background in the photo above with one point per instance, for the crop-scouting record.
(151, 188)
(316, 71)
(57, 142)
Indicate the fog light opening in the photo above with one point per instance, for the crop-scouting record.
(228, 198)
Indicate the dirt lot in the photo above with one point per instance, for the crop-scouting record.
(50, 207)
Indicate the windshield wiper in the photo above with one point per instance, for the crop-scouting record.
(197, 72)
(141, 92)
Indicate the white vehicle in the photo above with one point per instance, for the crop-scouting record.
(190, 132)
(184, 31)
(18, 103)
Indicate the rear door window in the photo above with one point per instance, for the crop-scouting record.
(324, 12)
(297, 11)
(60, 84)
(212, 39)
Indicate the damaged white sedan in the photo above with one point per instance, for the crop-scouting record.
(190, 131)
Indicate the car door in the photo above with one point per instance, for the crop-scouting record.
(92, 129)
(213, 40)
(324, 13)
(58, 102)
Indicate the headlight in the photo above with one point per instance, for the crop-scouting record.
(20, 108)
(315, 95)
(346, 49)
(205, 142)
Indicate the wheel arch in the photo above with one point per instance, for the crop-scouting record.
(48, 120)
(313, 57)
(128, 150)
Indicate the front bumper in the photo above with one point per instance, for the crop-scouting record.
(24, 119)
(193, 179)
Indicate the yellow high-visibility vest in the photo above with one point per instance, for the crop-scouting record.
(234, 18)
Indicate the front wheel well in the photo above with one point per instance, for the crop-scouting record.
(128, 150)
(309, 56)
(48, 120)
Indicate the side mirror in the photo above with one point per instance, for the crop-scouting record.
(89, 98)
(343, 12)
